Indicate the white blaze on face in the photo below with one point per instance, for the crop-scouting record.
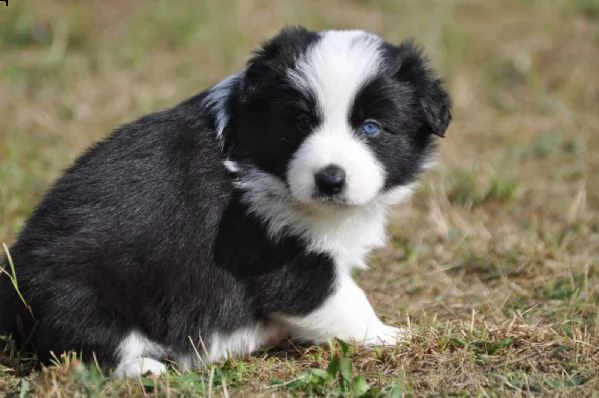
(333, 71)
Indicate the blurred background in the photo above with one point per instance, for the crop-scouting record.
(516, 190)
(506, 225)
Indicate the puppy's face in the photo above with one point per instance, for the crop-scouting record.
(340, 117)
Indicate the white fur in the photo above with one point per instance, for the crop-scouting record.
(139, 367)
(347, 315)
(334, 70)
(397, 194)
(348, 233)
(238, 343)
(242, 341)
(334, 143)
(337, 67)
(215, 101)
(232, 166)
(134, 352)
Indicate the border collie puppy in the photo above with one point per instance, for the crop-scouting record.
(234, 219)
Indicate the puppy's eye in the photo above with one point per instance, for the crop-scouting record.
(371, 128)
(303, 122)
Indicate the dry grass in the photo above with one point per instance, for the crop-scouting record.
(495, 261)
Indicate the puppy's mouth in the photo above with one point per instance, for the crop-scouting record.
(331, 200)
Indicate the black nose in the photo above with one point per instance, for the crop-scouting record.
(330, 180)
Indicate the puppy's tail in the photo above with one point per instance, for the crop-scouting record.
(16, 318)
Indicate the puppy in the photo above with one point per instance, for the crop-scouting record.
(235, 218)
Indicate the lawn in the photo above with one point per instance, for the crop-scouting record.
(494, 263)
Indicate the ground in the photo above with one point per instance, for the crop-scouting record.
(494, 263)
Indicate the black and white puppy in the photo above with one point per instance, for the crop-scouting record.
(236, 217)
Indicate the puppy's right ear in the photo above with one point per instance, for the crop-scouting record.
(272, 61)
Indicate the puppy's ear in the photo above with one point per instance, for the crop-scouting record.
(413, 68)
(275, 57)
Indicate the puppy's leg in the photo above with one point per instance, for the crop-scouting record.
(346, 315)
(139, 367)
(136, 357)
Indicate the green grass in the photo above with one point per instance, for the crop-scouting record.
(493, 263)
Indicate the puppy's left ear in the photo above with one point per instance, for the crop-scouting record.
(434, 101)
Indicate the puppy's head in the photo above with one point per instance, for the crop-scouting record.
(339, 117)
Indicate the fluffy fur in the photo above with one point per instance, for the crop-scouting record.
(201, 231)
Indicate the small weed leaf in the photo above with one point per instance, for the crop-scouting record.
(344, 347)
(89, 378)
(458, 342)
(481, 347)
(359, 387)
(505, 343)
(189, 379)
(345, 367)
(24, 389)
(337, 377)
(148, 382)
(562, 351)
(312, 382)
(490, 347)
(333, 367)
(562, 289)
(229, 375)
(322, 374)
(398, 390)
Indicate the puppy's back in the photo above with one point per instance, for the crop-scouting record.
(144, 195)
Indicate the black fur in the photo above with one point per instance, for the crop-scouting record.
(414, 71)
(147, 232)
(267, 126)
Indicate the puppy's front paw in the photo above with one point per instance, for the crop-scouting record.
(139, 367)
(385, 335)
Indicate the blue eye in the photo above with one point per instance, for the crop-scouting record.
(371, 128)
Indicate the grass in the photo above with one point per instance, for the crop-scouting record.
(494, 263)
